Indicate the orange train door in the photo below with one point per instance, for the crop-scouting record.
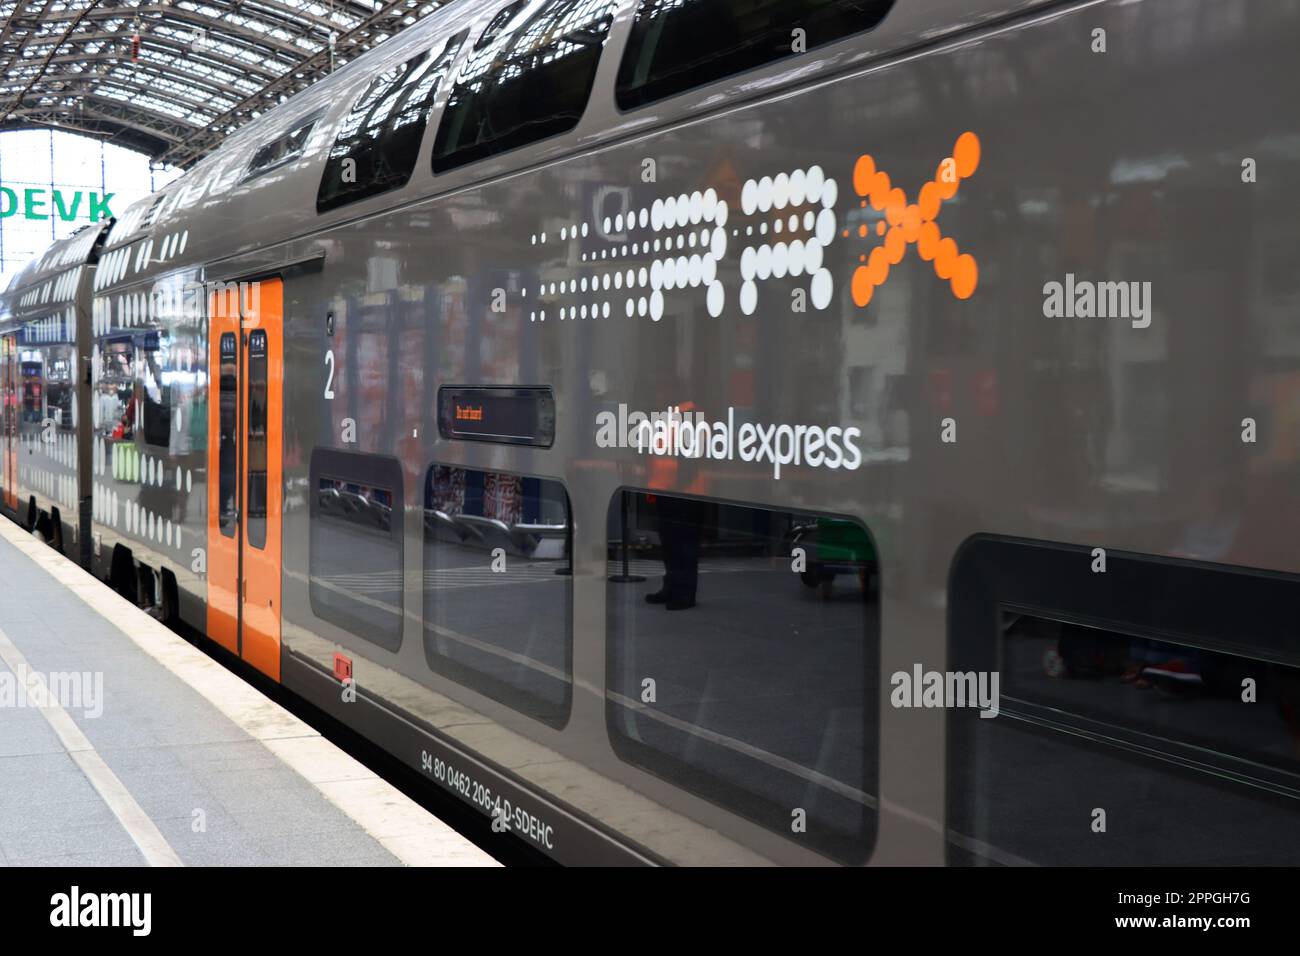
(9, 421)
(245, 412)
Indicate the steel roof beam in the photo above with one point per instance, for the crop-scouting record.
(44, 55)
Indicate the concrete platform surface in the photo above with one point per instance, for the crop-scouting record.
(121, 744)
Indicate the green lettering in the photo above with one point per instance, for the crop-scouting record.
(31, 208)
(7, 193)
(99, 207)
(67, 215)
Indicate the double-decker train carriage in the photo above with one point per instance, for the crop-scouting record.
(711, 432)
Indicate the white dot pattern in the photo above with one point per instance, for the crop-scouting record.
(778, 199)
(691, 225)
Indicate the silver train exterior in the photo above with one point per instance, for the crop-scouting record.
(1059, 363)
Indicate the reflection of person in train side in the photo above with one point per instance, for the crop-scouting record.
(679, 524)
(124, 430)
(679, 541)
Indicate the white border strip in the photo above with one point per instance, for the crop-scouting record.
(404, 828)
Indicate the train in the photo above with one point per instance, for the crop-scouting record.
(720, 433)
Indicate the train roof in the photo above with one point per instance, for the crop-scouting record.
(217, 211)
(49, 281)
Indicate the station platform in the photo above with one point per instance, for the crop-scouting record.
(121, 744)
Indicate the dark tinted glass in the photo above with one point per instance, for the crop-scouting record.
(532, 85)
(497, 593)
(378, 141)
(1165, 694)
(677, 45)
(156, 395)
(228, 450)
(255, 508)
(498, 23)
(281, 150)
(743, 656)
(1091, 671)
(356, 544)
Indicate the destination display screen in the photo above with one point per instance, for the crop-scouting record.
(513, 416)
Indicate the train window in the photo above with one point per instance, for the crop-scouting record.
(532, 85)
(677, 45)
(114, 390)
(377, 143)
(284, 149)
(742, 647)
(356, 544)
(255, 508)
(155, 392)
(228, 421)
(496, 26)
(498, 598)
(1164, 693)
(152, 214)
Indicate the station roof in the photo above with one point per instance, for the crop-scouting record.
(173, 78)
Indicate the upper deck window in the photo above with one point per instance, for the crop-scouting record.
(497, 25)
(533, 84)
(283, 149)
(677, 45)
(377, 143)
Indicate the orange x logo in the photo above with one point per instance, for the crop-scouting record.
(909, 223)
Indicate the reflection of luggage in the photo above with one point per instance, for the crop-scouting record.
(1084, 653)
(838, 547)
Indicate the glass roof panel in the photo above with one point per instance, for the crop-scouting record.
(172, 78)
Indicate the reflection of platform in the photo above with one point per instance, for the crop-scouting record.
(1214, 720)
(480, 574)
(763, 685)
(650, 567)
(158, 755)
(1030, 792)
(505, 633)
(526, 539)
(1036, 794)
